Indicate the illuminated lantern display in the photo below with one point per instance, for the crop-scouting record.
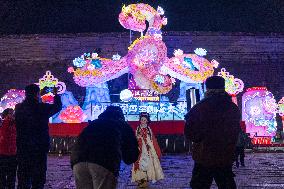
(152, 71)
(261, 140)
(142, 94)
(146, 59)
(259, 110)
(48, 82)
(11, 98)
(281, 109)
(72, 114)
(233, 85)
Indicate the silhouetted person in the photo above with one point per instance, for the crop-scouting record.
(8, 160)
(240, 148)
(97, 154)
(213, 126)
(33, 137)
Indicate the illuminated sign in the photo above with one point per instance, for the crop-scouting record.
(145, 95)
(165, 110)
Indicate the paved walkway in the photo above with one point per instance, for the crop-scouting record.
(263, 170)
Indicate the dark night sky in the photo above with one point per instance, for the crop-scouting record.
(70, 16)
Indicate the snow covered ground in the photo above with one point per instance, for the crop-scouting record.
(263, 170)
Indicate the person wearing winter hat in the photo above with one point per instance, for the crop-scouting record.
(96, 156)
(213, 125)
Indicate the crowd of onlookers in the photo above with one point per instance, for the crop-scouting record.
(212, 126)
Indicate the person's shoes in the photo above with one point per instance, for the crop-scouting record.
(142, 184)
(237, 164)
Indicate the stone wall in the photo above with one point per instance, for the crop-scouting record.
(257, 59)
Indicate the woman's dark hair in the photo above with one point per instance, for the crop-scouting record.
(6, 112)
(146, 115)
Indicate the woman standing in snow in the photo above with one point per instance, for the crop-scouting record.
(147, 167)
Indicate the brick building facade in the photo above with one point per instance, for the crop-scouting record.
(257, 59)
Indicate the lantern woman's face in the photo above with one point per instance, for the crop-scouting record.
(143, 121)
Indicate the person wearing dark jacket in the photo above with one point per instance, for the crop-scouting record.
(213, 126)
(97, 154)
(240, 148)
(33, 137)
